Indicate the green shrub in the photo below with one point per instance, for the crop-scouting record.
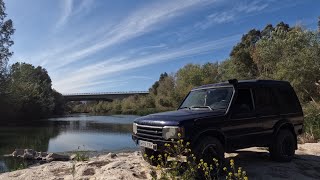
(178, 162)
(81, 155)
(312, 120)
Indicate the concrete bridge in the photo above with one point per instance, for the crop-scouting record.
(103, 96)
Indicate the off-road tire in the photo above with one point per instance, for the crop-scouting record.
(208, 148)
(283, 147)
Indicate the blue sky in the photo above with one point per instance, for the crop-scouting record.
(118, 45)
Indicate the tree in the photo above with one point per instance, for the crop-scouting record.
(267, 31)
(59, 103)
(293, 56)
(241, 55)
(154, 87)
(30, 91)
(192, 75)
(6, 31)
(319, 24)
(166, 93)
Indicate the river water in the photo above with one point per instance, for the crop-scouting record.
(68, 133)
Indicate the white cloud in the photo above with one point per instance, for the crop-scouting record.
(86, 76)
(146, 48)
(66, 12)
(234, 13)
(253, 6)
(71, 8)
(216, 18)
(140, 22)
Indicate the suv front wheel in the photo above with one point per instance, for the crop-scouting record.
(208, 148)
(283, 147)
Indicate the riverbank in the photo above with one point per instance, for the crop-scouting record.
(130, 165)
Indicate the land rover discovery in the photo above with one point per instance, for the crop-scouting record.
(228, 116)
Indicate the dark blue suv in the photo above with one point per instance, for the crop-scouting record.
(227, 116)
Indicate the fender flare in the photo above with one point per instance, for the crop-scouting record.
(284, 124)
(217, 133)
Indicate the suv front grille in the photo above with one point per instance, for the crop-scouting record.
(150, 132)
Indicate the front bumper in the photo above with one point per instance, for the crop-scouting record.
(160, 143)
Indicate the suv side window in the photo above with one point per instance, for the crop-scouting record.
(265, 101)
(287, 99)
(243, 104)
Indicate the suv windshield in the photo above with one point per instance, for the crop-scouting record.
(214, 98)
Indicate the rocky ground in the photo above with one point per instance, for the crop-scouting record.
(255, 161)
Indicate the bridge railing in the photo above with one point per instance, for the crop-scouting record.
(107, 93)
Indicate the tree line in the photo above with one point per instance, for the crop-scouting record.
(25, 91)
(277, 52)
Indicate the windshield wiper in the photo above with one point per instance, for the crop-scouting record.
(201, 107)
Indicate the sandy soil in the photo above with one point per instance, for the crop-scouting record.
(306, 165)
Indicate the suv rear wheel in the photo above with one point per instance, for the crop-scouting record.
(208, 148)
(283, 148)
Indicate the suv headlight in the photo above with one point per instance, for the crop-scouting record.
(171, 132)
(134, 128)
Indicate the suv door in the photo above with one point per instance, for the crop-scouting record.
(267, 110)
(242, 124)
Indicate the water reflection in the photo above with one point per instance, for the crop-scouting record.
(110, 133)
